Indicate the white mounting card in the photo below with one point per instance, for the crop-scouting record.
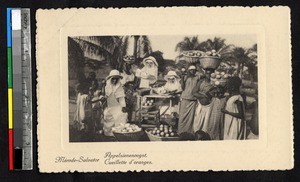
(76, 43)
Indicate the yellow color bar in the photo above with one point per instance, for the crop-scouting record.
(10, 108)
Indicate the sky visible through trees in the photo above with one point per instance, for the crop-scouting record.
(167, 43)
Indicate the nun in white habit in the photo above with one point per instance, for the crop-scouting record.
(148, 73)
(115, 113)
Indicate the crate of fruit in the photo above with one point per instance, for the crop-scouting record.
(162, 133)
(148, 104)
(127, 132)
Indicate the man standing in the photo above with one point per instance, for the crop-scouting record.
(188, 101)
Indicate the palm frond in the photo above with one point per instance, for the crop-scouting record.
(143, 47)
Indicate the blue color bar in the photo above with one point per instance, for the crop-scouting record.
(8, 11)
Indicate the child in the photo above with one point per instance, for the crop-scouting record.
(234, 120)
(98, 101)
(215, 124)
(83, 113)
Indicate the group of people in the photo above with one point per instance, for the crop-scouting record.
(116, 96)
(216, 110)
(87, 97)
(203, 107)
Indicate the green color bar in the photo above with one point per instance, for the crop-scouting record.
(9, 68)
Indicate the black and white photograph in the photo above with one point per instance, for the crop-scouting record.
(152, 89)
(163, 88)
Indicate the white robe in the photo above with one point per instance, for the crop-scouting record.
(144, 73)
(113, 114)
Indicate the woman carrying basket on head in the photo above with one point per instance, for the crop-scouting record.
(202, 91)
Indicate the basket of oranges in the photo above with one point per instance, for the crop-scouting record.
(219, 78)
(162, 133)
(208, 60)
(127, 132)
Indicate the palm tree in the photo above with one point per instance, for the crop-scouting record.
(116, 60)
(253, 53)
(75, 59)
(216, 44)
(252, 64)
(192, 43)
(239, 57)
(100, 49)
(135, 44)
(188, 43)
(243, 57)
(143, 47)
(97, 47)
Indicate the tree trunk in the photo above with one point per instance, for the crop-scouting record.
(238, 70)
(136, 38)
(241, 70)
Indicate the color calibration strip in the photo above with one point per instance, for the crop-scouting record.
(10, 93)
(19, 96)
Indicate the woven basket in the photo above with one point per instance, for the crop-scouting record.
(129, 136)
(210, 62)
(192, 59)
(155, 138)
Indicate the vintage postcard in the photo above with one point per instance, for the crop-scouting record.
(157, 89)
